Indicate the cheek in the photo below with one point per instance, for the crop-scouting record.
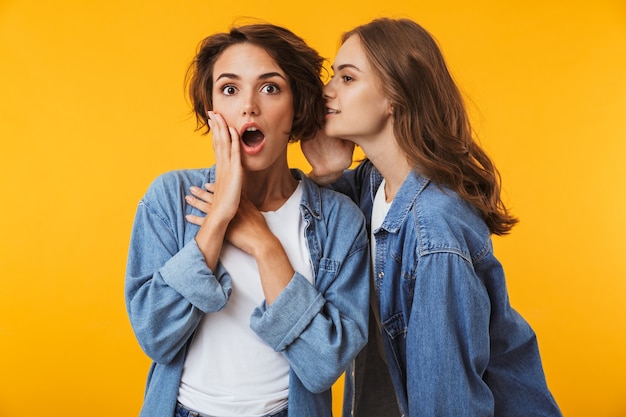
(283, 116)
(226, 110)
(373, 104)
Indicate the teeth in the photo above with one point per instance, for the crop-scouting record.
(251, 129)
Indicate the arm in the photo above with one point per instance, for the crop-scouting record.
(232, 217)
(448, 343)
(320, 328)
(167, 288)
(249, 232)
(226, 190)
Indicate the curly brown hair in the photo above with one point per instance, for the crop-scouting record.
(301, 63)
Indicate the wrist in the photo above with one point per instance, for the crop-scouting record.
(265, 248)
(324, 179)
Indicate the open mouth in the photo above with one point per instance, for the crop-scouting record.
(252, 139)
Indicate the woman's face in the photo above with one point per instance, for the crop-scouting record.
(357, 110)
(253, 95)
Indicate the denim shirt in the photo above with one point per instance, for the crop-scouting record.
(318, 327)
(454, 345)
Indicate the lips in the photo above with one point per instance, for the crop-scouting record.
(252, 139)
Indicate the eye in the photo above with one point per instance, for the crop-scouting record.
(347, 79)
(270, 89)
(229, 90)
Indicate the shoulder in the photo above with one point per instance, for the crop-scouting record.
(445, 221)
(180, 177)
(328, 202)
(166, 193)
(173, 183)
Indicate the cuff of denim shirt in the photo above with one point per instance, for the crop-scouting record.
(188, 274)
(289, 315)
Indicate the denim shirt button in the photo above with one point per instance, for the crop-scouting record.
(381, 274)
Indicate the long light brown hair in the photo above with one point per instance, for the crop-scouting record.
(431, 123)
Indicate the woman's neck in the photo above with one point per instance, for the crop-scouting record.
(268, 191)
(390, 161)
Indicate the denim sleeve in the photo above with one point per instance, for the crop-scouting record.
(167, 289)
(321, 328)
(352, 182)
(448, 342)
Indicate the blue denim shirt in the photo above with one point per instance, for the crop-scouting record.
(319, 328)
(454, 346)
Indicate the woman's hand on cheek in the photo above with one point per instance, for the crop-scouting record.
(222, 204)
(228, 169)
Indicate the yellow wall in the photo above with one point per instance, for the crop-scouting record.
(92, 109)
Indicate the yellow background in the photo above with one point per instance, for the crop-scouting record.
(92, 108)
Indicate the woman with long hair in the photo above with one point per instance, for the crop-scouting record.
(451, 343)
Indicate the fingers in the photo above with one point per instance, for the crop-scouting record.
(234, 144)
(226, 147)
(223, 135)
(205, 194)
(197, 220)
(219, 132)
(201, 199)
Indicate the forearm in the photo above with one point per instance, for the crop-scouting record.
(320, 333)
(274, 266)
(210, 239)
(165, 304)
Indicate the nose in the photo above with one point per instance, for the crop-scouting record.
(250, 106)
(328, 91)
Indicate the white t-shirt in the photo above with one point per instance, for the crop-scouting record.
(229, 371)
(380, 209)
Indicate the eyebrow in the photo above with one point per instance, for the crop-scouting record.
(261, 77)
(343, 66)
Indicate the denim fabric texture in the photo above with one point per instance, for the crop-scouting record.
(319, 328)
(454, 345)
(182, 411)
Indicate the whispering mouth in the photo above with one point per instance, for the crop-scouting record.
(252, 137)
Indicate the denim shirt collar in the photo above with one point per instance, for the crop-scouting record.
(404, 200)
(311, 198)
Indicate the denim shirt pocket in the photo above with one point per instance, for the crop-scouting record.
(326, 274)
